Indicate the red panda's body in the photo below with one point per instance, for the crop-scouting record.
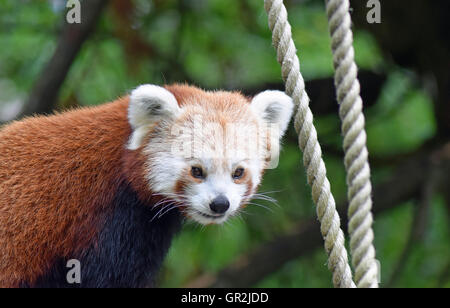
(58, 178)
(79, 185)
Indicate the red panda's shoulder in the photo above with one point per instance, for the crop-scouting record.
(71, 121)
(57, 174)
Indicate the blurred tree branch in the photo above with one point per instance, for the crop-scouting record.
(444, 277)
(420, 221)
(44, 94)
(322, 94)
(249, 269)
(421, 42)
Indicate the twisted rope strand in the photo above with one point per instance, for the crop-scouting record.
(308, 143)
(356, 155)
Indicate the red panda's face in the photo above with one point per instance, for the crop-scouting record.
(207, 150)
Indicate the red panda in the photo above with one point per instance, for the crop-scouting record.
(110, 185)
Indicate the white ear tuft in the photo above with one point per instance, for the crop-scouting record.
(274, 107)
(148, 105)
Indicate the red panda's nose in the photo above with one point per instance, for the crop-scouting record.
(220, 204)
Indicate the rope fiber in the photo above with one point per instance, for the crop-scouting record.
(308, 143)
(356, 154)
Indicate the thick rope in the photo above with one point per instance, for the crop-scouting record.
(356, 155)
(308, 143)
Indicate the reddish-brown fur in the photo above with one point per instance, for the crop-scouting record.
(59, 173)
(37, 157)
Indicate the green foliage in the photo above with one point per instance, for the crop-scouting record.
(404, 117)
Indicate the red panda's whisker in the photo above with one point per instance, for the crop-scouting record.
(172, 196)
(240, 212)
(164, 201)
(270, 201)
(162, 209)
(168, 207)
(167, 211)
(263, 197)
(262, 206)
(239, 215)
(270, 192)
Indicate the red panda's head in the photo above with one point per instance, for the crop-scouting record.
(206, 150)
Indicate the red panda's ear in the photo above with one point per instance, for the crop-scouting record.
(149, 104)
(274, 107)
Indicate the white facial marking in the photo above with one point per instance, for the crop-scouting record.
(208, 147)
(217, 182)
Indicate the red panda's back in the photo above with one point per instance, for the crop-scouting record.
(55, 175)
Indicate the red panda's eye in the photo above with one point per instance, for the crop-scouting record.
(238, 173)
(197, 172)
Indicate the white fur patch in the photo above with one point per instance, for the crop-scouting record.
(148, 105)
(214, 135)
(274, 107)
(218, 182)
